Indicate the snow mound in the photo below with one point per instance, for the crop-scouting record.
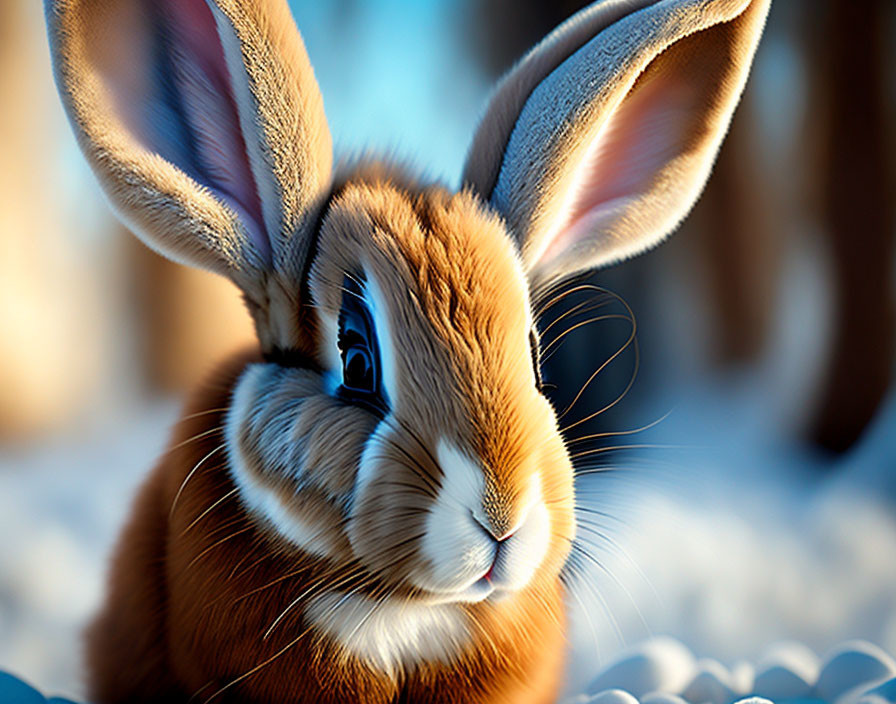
(663, 671)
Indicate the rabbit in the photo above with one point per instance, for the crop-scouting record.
(376, 504)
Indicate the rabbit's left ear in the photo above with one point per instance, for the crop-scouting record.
(596, 145)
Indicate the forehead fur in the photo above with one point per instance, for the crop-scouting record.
(457, 302)
(448, 248)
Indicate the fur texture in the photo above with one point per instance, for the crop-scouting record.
(301, 542)
(198, 581)
(598, 143)
(167, 99)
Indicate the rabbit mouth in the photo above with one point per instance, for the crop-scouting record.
(497, 583)
(467, 558)
(459, 554)
(480, 590)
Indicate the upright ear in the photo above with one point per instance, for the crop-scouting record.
(596, 145)
(203, 122)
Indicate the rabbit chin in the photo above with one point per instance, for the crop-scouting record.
(482, 589)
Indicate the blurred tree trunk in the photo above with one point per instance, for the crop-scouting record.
(188, 320)
(858, 210)
(503, 31)
(738, 238)
(51, 344)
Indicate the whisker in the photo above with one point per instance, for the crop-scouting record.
(280, 652)
(606, 469)
(618, 448)
(587, 305)
(198, 436)
(189, 476)
(626, 556)
(632, 340)
(342, 581)
(585, 611)
(593, 376)
(305, 593)
(557, 342)
(596, 512)
(205, 412)
(580, 552)
(200, 690)
(260, 666)
(378, 602)
(265, 556)
(574, 287)
(278, 580)
(216, 544)
(615, 433)
(209, 510)
(603, 568)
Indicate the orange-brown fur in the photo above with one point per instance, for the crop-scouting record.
(464, 367)
(188, 606)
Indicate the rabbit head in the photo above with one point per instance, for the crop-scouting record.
(395, 422)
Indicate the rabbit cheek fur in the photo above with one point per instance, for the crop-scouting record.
(377, 524)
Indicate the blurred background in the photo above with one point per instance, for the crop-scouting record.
(737, 445)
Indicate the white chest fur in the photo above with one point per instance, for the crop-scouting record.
(391, 634)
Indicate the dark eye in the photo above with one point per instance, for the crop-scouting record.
(357, 370)
(358, 350)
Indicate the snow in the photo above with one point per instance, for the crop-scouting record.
(61, 508)
(660, 665)
(738, 540)
(855, 671)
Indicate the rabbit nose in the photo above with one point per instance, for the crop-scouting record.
(505, 536)
(499, 535)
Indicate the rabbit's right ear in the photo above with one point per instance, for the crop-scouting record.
(204, 124)
(598, 142)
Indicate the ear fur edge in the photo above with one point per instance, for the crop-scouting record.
(706, 46)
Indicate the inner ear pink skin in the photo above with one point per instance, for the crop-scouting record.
(640, 137)
(179, 79)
